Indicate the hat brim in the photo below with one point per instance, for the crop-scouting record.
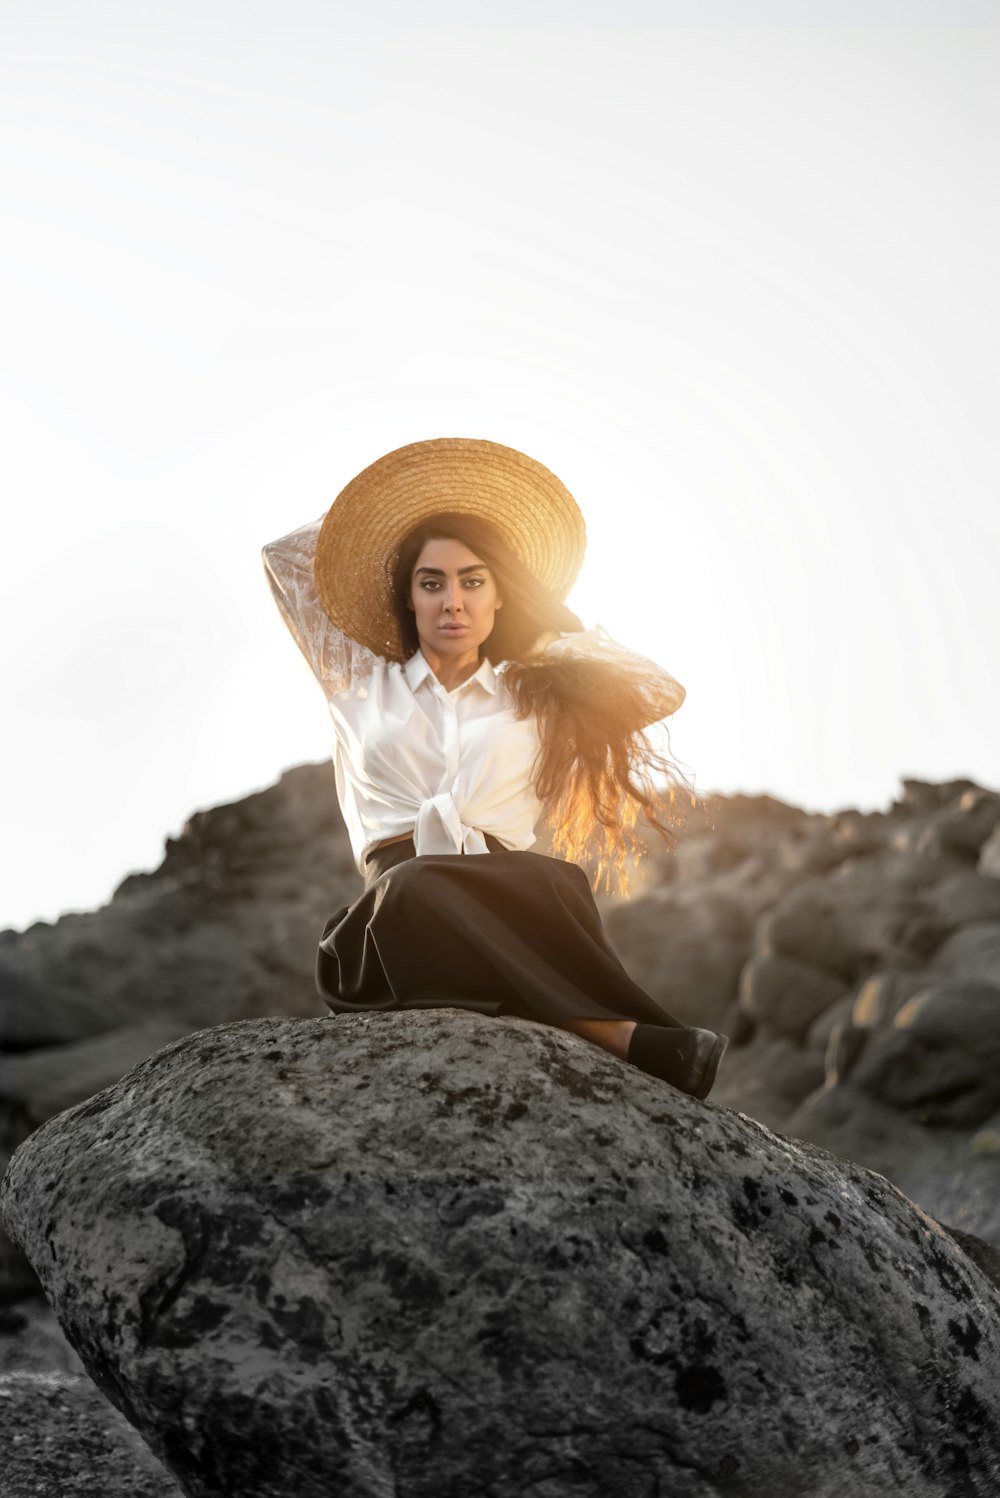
(359, 541)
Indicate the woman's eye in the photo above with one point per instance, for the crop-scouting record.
(434, 584)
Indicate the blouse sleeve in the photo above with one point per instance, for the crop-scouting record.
(340, 664)
(663, 694)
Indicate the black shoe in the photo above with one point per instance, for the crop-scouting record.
(687, 1059)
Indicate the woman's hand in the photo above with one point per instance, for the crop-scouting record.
(541, 643)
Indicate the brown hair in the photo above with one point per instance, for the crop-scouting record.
(595, 766)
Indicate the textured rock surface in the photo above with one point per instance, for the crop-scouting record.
(439, 1254)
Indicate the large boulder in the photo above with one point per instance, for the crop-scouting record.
(440, 1254)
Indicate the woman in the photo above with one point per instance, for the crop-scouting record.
(466, 698)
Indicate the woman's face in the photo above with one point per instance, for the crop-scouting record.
(454, 597)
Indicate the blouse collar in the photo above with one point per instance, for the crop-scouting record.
(417, 669)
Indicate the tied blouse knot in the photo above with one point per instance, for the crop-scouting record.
(411, 757)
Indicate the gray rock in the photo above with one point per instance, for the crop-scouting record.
(851, 924)
(953, 1173)
(60, 1438)
(840, 1012)
(686, 936)
(984, 1255)
(685, 950)
(32, 1341)
(227, 926)
(816, 852)
(989, 855)
(963, 827)
(888, 866)
(939, 1056)
(51, 1078)
(445, 1255)
(17, 1277)
(922, 797)
(986, 1140)
(880, 996)
(844, 1046)
(859, 832)
(972, 952)
(59, 1435)
(964, 897)
(768, 1078)
(748, 820)
(787, 996)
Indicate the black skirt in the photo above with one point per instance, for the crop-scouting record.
(498, 933)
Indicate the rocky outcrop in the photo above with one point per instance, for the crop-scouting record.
(224, 929)
(442, 1254)
(865, 1013)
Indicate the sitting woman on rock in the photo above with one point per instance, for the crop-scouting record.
(467, 700)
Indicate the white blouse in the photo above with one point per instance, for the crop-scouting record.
(410, 756)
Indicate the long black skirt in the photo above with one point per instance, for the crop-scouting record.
(498, 933)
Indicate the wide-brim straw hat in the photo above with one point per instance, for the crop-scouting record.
(361, 535)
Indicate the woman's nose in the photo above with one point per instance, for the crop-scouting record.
(452, 598)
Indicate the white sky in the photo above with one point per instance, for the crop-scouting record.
(732, 270)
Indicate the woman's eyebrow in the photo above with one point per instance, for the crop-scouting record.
(439, 571)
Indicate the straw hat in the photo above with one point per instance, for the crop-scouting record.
(360, 538)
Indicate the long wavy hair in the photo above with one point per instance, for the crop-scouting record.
(596, 770)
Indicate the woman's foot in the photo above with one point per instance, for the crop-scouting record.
(687, 1059)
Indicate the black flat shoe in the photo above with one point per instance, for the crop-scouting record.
(687, 1059)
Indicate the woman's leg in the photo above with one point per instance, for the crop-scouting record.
(613, 1034)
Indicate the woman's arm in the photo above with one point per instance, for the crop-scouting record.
(339, 663)
(661, 693)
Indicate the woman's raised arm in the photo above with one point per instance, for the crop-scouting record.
(339, 663)
(659, 693)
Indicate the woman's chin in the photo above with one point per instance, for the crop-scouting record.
(461, 641)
